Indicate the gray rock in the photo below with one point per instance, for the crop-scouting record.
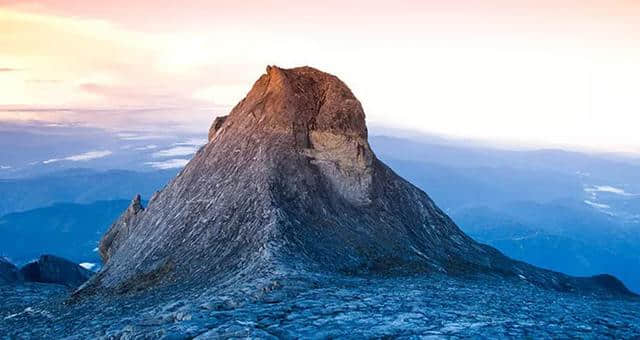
(8, 272)
(288, 186)
(53, 269)
(120, 230)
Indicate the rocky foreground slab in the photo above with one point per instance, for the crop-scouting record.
(325, 307)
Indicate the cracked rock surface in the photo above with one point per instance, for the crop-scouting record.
(325, 307)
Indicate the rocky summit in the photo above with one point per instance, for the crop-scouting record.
(286, 225)
(286, 185)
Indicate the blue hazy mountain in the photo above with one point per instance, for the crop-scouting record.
(465, 155)
(68, 230)
(567, 211)
(559, 236)
(78, 186)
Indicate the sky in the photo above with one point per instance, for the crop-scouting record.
(522, 73)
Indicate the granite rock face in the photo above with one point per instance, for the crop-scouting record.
(8, 272)
(288, 185)
(53, 269)
(120, 230)
(215, 127)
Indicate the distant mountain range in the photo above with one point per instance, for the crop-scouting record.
(68, 230)
(569, 238)
(78, 186)
(568, 211)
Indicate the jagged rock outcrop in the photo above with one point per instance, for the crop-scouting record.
(215, 127)
(53, 269)
(289, 185)
(120, 230)
(8, 272)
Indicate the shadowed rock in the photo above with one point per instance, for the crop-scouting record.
(120, 230)
(53, 269)
(288, 185)
(8, 272)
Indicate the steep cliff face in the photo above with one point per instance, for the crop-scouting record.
(120, 230)
(286, 185)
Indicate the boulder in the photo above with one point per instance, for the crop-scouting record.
(8, 272)
(53, 269)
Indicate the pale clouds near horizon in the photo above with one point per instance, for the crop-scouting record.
(526, 75)
(185, 148)
(608, 189)
(83, 157)
(174, 163)
(176, 151)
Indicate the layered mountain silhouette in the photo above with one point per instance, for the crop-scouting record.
(8, 272)
(54, 269)
(46, 269)
(288, 184)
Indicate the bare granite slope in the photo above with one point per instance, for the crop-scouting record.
(288, 185)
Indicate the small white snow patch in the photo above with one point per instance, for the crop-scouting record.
(87, 265)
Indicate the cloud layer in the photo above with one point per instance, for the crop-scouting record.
(608, 189)
(87, 156)
(176, 151)
(169, 164)
(531, 73)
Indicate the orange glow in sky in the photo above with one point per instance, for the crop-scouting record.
(541, 73)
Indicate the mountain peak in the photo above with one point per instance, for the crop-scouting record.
(301, 99)
(314, 113)
(288, 185)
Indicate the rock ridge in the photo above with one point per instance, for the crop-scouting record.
(120, 230)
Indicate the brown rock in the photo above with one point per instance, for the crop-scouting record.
(215, 127)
